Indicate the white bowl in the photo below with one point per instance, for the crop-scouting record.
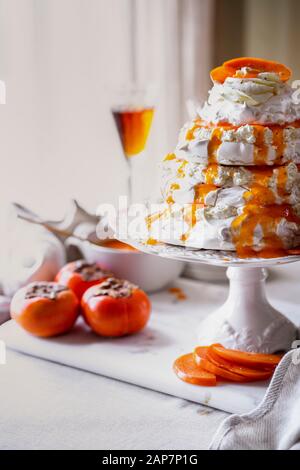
(149, 272)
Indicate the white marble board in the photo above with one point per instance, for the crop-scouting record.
(146, 359)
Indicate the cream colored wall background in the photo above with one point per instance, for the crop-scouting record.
(262, 28)
(61, 61)
(273, 31)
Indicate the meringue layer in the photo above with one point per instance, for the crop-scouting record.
(182, 179)
(227, 227)
(245, 145)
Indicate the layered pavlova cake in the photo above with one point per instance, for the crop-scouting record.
(233, 181)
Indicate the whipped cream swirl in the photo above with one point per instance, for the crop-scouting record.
(264, 99)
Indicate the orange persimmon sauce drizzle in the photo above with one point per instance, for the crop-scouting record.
(262, 210)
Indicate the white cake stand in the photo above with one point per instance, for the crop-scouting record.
(246, 320)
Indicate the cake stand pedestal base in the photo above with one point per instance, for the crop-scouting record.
(246, 320)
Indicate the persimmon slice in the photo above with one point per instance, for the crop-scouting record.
(255, 66)
(220, 372)
(255, 360)
(261, 65)
(200, 353)
(186, 369)
(219, 74)
(250, 374)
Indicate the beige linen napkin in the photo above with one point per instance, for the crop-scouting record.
(275, 423)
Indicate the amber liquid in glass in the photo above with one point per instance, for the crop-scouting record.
(133, 127)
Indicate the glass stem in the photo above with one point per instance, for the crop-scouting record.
(130, 182)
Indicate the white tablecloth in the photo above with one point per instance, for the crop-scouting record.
(49, 406)
(45, 405)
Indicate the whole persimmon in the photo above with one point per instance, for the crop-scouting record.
(79, 276)
(45, 308)
(116, 308)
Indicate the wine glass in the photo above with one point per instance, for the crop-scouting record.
(133, 114)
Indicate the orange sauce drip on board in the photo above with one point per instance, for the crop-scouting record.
(179, 294)
(214, 144)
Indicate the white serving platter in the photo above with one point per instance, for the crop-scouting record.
(146, 359)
